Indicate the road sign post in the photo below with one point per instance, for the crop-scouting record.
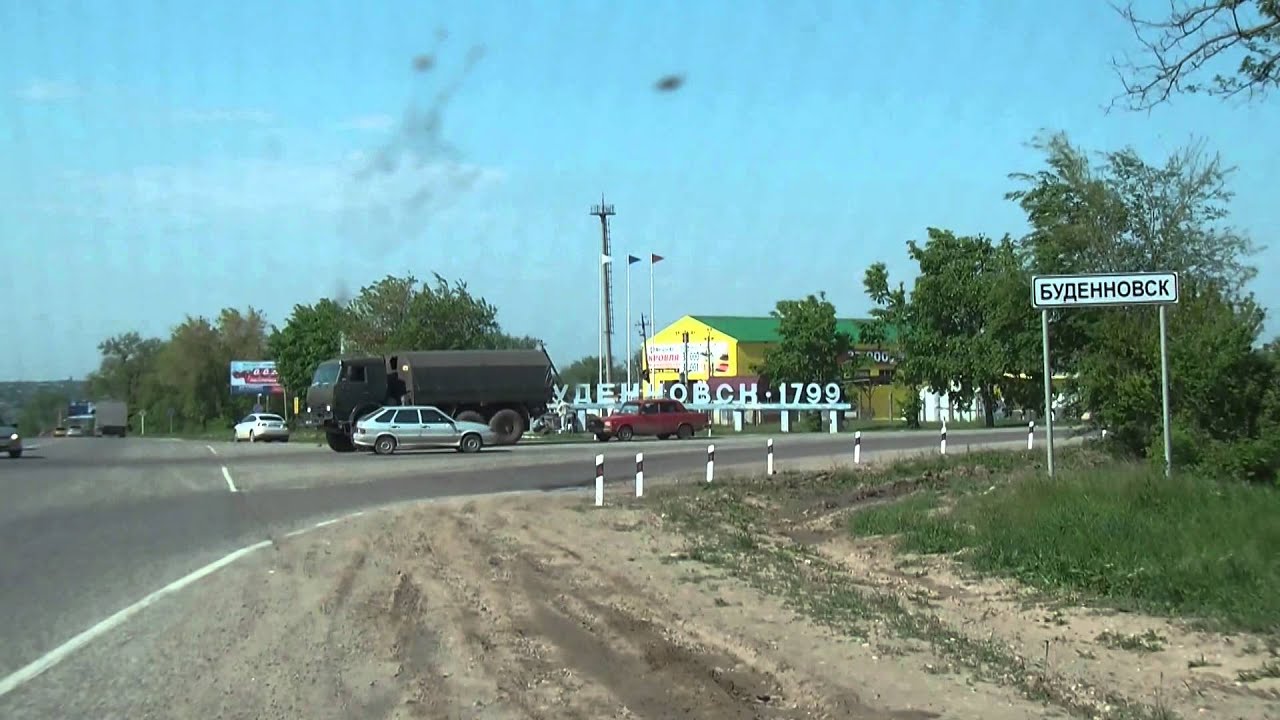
(1050, 292)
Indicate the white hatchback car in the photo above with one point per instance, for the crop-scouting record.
(262, 427)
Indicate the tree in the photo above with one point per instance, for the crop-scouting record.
(503, 341)
(810, 348)
(1194, 37)
(127, 359)
(311, 335)
(193, 370)
(962, 333)
(1125, 215)
(396, 313)
(585, 371)
(1221, 385)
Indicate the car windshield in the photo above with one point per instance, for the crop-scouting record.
(271, 418)
(629, 409)
(326, 374)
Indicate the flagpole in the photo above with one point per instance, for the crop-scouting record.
(653, 323)
(653, 326)
(627, 331)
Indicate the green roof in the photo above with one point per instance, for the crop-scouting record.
(765, 329)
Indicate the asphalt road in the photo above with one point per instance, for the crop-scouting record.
(91, 525)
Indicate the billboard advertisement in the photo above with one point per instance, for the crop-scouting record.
(255, 377)
(671, 357)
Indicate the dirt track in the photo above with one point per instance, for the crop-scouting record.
(518, 607)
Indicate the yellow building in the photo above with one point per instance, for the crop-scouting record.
(737, 345)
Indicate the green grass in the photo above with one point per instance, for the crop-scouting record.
(1182, 547)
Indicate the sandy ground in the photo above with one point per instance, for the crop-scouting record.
(521, 607)
(1098, 653)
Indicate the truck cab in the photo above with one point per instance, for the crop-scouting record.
(342, 391)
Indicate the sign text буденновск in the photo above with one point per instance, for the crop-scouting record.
(1060, 291)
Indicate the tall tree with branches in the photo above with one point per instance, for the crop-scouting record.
(1191, 50)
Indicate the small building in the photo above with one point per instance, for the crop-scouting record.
(728, 349)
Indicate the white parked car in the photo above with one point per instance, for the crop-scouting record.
(261, 427)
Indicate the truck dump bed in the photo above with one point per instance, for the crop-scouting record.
(444, 377)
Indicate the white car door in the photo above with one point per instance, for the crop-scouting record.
(244, 426)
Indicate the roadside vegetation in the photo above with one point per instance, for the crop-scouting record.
(1107, 534)
(1122, 534)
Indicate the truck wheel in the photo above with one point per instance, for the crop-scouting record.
(625, 433)
(470, 416)
(339, 442)
(508, 426)
(385, 445)
(684, 432)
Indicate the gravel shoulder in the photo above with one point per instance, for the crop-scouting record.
(532, 606)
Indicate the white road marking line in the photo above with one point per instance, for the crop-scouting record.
(323, 523)
(63, 651)
(215, 452)
(231, 484)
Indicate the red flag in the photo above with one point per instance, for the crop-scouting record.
(654, 258)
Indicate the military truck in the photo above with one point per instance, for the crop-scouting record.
(111, 417)
(503, 388)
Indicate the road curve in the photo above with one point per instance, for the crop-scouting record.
(88, 526)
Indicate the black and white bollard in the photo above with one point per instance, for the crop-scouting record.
(639, 474)
(857, 447)
(944, 438)
(768, 461)
(711, 461)
(1031, 435)
(599, 480)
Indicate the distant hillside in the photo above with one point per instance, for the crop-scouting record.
(15, 394)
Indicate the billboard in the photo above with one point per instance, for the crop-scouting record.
(670, 356)
(254, 377)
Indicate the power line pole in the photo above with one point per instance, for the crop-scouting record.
(710, 367)
(684, 361)
(645, 371)
(604, 212)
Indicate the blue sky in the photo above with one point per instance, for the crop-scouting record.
(163, 159)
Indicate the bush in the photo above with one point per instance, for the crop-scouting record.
(1222, 388)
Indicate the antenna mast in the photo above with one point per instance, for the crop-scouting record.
(604, 212)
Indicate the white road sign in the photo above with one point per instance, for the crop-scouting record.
(1143, 288)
